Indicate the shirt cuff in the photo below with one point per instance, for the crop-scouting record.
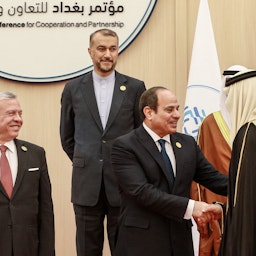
(189, 211)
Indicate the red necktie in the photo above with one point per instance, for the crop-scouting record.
(6, 175)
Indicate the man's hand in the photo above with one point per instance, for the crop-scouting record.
(203, 213)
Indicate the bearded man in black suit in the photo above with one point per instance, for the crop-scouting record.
(95, 109)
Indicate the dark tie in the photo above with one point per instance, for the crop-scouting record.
(167, 160)
(6, 175)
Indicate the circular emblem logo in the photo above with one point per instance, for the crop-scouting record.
(46, 41)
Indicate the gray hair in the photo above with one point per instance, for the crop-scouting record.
(7, 95)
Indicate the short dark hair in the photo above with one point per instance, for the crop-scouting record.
(149, 98)
(104, 32)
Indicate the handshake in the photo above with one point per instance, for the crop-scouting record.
(204, 213)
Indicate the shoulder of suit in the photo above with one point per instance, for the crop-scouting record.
(81, 79)
(127, 138)
(126, 77)
(182, 137)
(25, 145)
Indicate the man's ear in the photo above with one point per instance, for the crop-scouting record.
(148, 112)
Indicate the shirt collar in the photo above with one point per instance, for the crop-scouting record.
(154, 136)
(98, 78)
(10, 145)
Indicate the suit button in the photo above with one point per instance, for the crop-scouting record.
(104, 141)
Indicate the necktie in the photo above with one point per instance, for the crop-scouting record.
(166, 160)
(6, 175)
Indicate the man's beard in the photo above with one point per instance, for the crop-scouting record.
(106, 69)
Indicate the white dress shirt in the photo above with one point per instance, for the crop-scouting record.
(103, 88)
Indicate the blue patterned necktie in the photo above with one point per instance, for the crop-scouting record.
(167, 160)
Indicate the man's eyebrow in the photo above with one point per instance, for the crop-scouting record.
(176, 106)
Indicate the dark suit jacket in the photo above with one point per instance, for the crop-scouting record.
(151, 221)
(85, 141)
(26, 220)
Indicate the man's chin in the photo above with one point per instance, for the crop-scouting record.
(15, 133)
(106, 70)
(173, 130)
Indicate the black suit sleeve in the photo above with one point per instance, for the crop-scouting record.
(67, 127)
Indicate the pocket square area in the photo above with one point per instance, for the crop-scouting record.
(33, 169)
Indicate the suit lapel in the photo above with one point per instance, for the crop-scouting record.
(117, 99)
(3, 190)
(22, 157)
(150, 146)
(178, 153)
(88, 93)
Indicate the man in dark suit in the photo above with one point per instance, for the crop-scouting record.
(95, 109)
(156, 211)
(26, 209)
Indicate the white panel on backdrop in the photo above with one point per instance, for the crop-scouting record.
(44, 41)
(204, 81)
